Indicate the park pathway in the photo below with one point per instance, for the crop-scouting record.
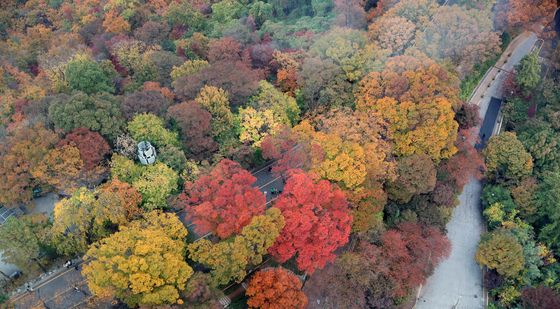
(457, 281)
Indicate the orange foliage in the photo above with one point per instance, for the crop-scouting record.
(275, 288)
(522, 13)
(155, 86)
(122, 196)
(60, 168)
(115, 23)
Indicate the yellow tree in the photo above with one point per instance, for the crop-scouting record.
(255, 125)
(423, 128)
(60, 168)
(142, 264)
(215, 101)
(340, 161)
(230, 258)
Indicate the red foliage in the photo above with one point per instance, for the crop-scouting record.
(224, 201)
(275, 288)
(409, 254)
(318, 222)
(194, 122)
(467, 162)
(224, 49)
(288, 152)
(540, 297)
(93, 147)
(236, 77)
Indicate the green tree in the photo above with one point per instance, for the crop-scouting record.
(283, 106)
(501, 251)
(528, 72)
(142, 264)
(149, 127)
(156, 183)
(22, 240)
(86, 75)
(547, 199)
(506, 158)
(99, 112)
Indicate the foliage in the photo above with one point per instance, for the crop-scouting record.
(196, 130)
(83, 74)
(528, 72)
(230, 258)
(60, 168)
(99, 112)
(275, 288)
(311, 209)
(142, 264)
(92, 146)
(223, 201)
(215, 101)
(255, 125)
(22, 239)
(283, 106)
(146, 101)
(540, 297)
(501, 251)
(156, 183)
(416, 175)
(149, 127)
(506, 158)
(22, 150)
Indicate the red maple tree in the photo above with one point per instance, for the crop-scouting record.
(223, 201)
(318, 222)
(93, 147)
(275, 288)
(408, 255)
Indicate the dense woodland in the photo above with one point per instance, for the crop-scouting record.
(359, 104)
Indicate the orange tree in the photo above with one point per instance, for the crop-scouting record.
(275, 288)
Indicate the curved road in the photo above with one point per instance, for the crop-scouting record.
(457, 281)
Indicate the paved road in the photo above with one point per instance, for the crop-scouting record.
(57, 290)
(457, 282)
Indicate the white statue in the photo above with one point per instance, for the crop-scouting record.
(146, 153)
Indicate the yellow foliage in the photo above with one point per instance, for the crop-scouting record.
(188, 67)
(115, 23)
(142, 264)
(255, 125)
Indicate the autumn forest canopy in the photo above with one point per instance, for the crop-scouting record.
(314, 150)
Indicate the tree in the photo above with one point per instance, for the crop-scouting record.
(501, 251)
(541, 297)
(237, 78)
(22, 150)
(467, 162)
(318, 222)
(255, 125)
(173, 157)
(230, 258)
(393, 33)
(407, 255)
(275, 288)
(92, 146)
(23, 239)
(506, 158)
(142, 264)
(115, 23)
(468, 116)
(146, 101)
(196, 130)
(338, 160)
(83, 74)
(215, 101)
(548, 212)
(524, 196)
(323, 84)
(61, 168)
(463, 36)
(120, 200)
(283, 106)
(528, 73)
(151, 128)
(224, 201)
(156, 183)
(523, 13)
(424, 128)
(72, 228)
(416, 175)
(543, 143)
(99, 112)
(349, 13)
(417, 79)
(200, 293)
